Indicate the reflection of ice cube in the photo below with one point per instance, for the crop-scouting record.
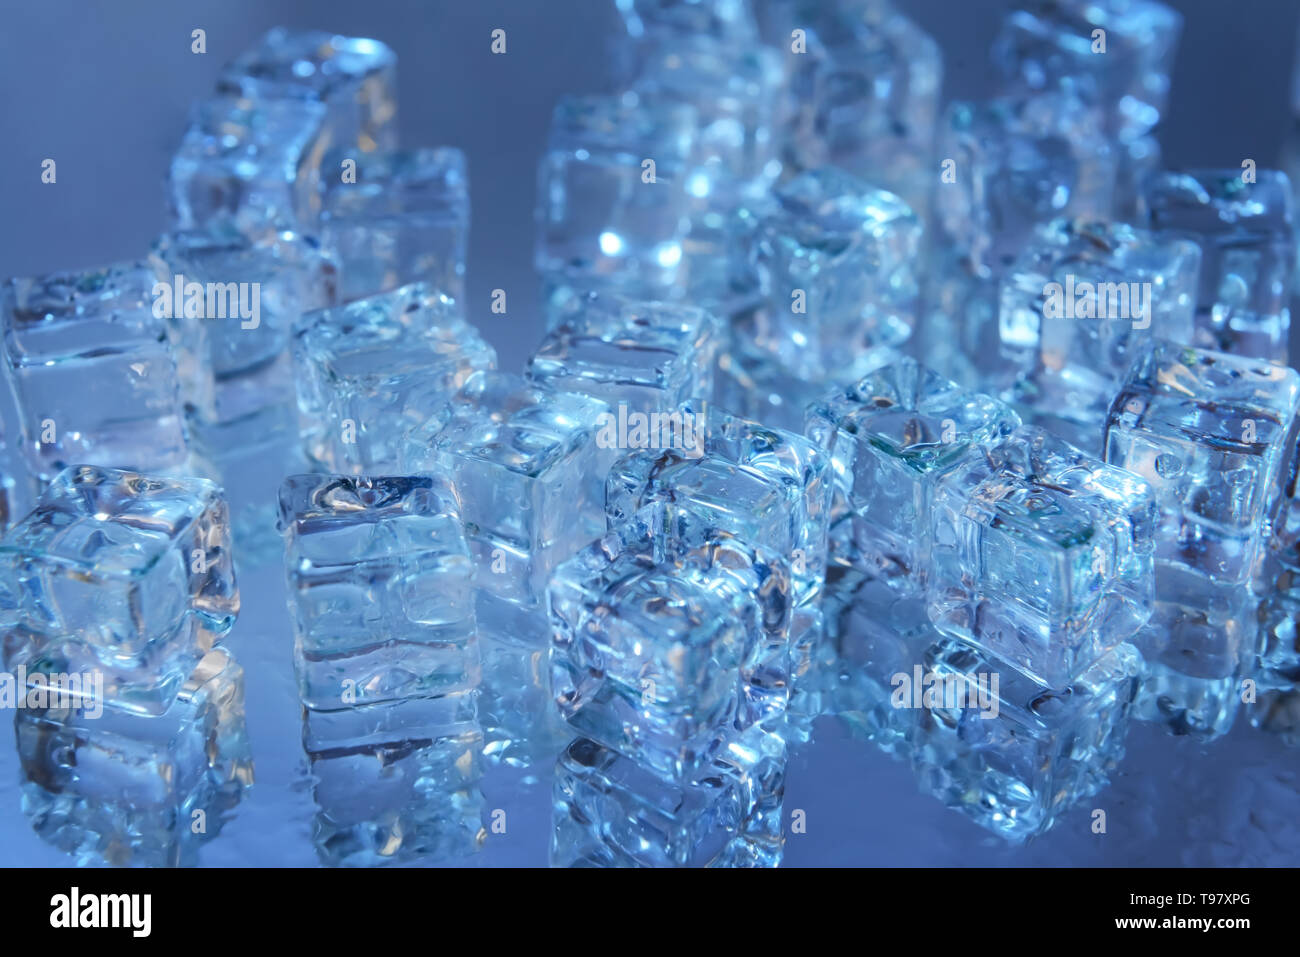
(1277, 708)
(611, 812)
(1199, 645)
(521, 725)
(131, 789)
(250, 472)
(396, 782)
(1278, 712)
(1011, 754)
(872, 635)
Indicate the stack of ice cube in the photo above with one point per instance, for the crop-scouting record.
(978, 570)
(1215, 436)
(670, 657)
(114, 592)
(386, 655)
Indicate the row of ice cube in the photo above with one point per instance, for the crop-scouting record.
(963, 546)
(594, 705)
(914, 392)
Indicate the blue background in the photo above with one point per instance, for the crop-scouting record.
(104, 89)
